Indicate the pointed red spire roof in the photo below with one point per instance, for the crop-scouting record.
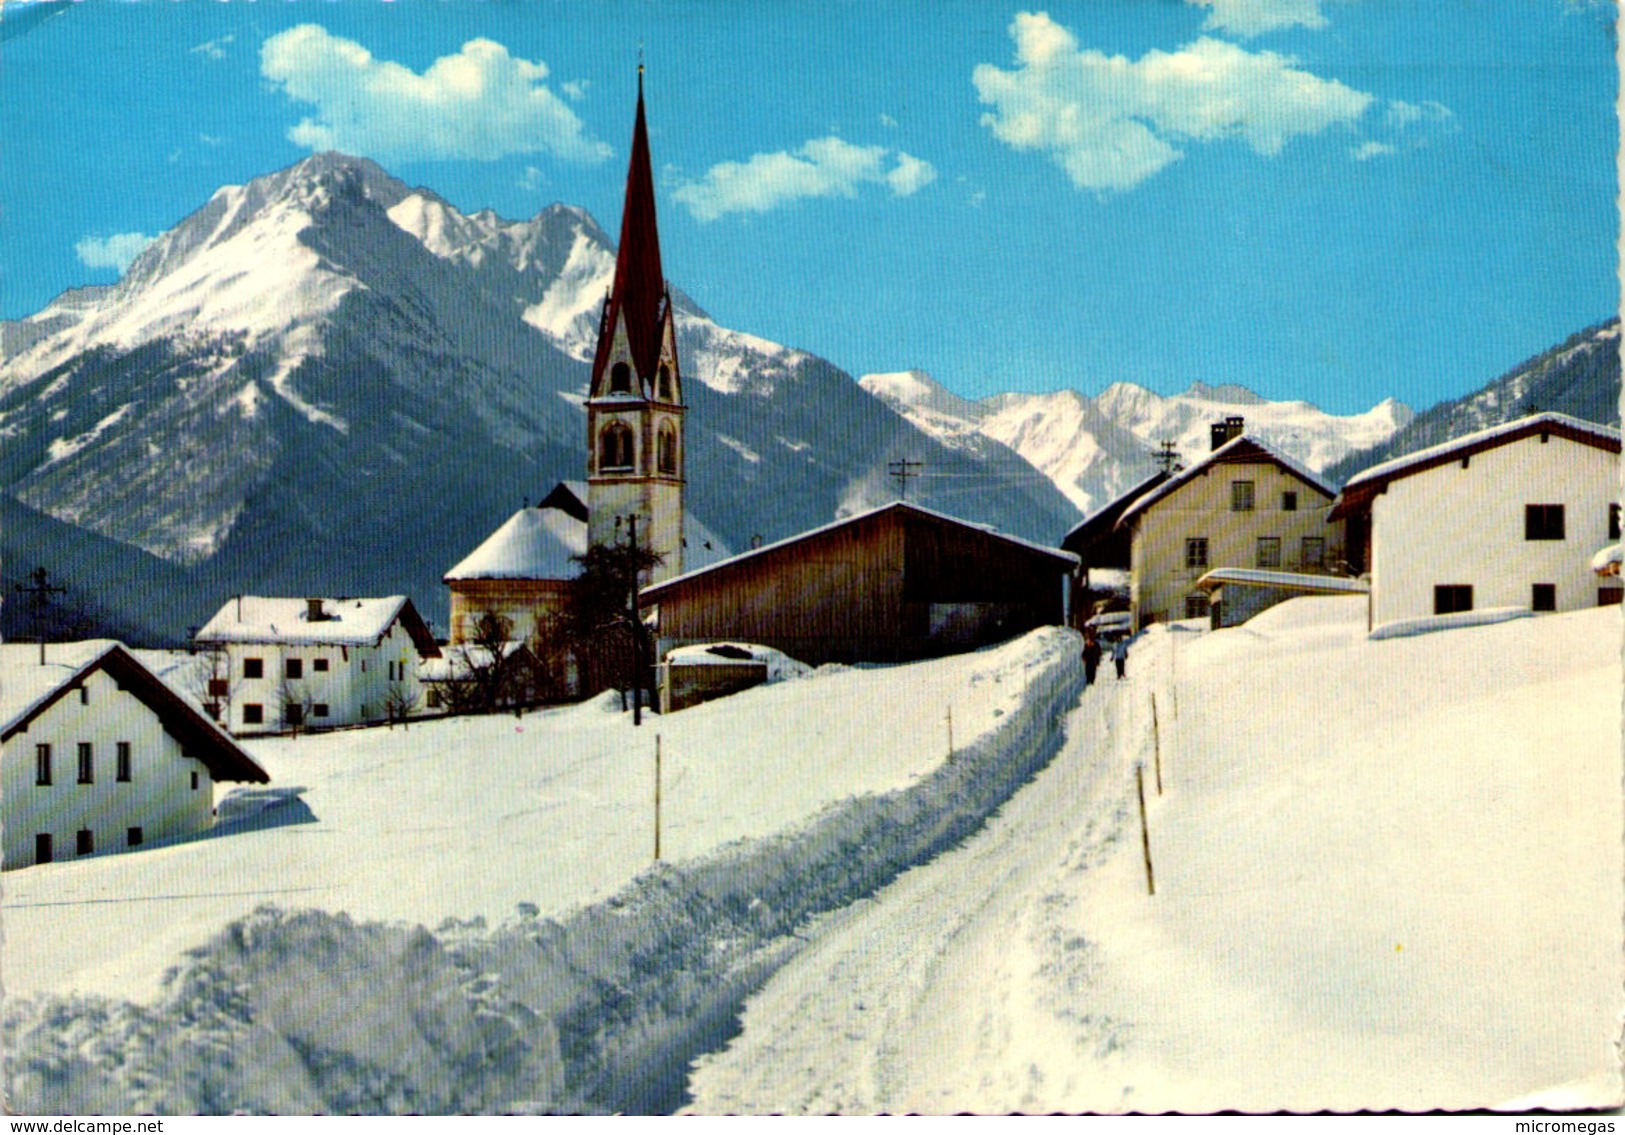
(640, 284)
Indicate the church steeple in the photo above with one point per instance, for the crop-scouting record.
(635, 410)
(638, 298)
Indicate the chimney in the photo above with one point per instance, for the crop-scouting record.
(1228, 430)
(313, 611)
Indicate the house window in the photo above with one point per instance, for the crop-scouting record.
(253, 667)
(42, 847)
(1313, 553)
(84, 695)
(253, 714)
(87, 763)
(620, 379)
(293, 668)
(319, 665)
(1289, 501)
(1613, 522)
(615, 447)
(1464, 461)
(123, 760)
(1610, 596)
(1196, 606)
(1241, 496)
(132, 837)
(85, 844)
(1196, 552)
(666, 450)
(1543, 522)
(42, 764)
(1269, 551)
(1449, 598)
(194, 780)
(319, 709)
(434, 698)
(1543, 597)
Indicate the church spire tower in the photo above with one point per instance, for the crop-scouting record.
(635, 408)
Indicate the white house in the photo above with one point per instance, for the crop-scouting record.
(98, 754)
(1509, 516)
(316, 663)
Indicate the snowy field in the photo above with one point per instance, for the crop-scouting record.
(558, 970)
(1388, 876)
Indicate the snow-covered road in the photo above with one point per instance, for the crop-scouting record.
(1388, 876)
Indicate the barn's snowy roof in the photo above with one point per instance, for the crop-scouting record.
(1242, 449)
(1366, 484)
(1293, 580)
(345, 622)
(653, 591)
(534, 543)
(27, 689)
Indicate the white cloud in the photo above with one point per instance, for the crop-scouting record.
(1365, 151)
(824, 167)
(1111, 122)
(1255, 17)
(577, 90)
(532, 180)
(214, 48)
(117, 251)
(887, 120)
(480, 103)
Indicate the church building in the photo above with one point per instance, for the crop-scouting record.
(634, 455)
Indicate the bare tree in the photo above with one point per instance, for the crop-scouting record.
(400, 700)
(213, 683)
(297, 703)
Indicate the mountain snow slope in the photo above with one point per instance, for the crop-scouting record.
(1579, 377)
(327, 382)
(1407, 896)
(1094, 449)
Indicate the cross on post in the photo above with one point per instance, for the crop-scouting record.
(41, 593)
(903, 469)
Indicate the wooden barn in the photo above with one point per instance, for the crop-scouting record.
(896, 583)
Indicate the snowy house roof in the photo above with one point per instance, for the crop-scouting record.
(28, 689)
(1100, 523)
(534, 543)
(1244, 449)
(1363, 486)
(654, 591)
(343, 622)
(1291, 580)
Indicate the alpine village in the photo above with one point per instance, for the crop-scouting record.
(939, 658)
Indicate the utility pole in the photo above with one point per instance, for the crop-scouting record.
(637, 631)
(1168, 457)
(903, 469)
(40, 593)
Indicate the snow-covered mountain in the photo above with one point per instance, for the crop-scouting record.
(326, 381)
(1580, 377)
(1093, 449)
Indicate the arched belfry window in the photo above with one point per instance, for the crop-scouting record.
(666, 449)
(615, 447)
(664, 389)
(620, 379)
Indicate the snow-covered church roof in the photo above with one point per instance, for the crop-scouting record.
(542, 543)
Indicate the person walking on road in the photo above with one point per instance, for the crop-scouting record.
(1120, 655)
(1091, 658)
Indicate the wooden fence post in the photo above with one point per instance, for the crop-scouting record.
(1145, 833)
(1156, 742)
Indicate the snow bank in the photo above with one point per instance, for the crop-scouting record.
(1426, 624)
(601, 1009)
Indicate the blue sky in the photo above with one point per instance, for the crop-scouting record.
(1336, 200)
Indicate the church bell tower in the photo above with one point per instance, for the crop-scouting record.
(635, 451)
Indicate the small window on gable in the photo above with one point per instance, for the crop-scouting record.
(42, 764)
(84, 695)
(620, 379)
(1241, 496)
(1289, 501)
(124, 761)
(1465, 460)
(1543, 522)
(194, 780)
(87, 763)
